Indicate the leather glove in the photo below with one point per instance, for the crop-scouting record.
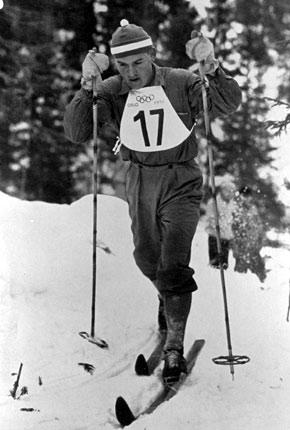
(201, 49)
(93, 65)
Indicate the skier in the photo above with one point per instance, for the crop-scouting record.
(152, 110)
(248, 235)
(226, 207)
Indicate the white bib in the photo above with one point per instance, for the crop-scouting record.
(149, 122)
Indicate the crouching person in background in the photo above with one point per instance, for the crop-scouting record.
(226, 207)
(248, 237)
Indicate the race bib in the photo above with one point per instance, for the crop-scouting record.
(150, 123)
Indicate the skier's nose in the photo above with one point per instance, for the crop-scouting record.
(132, 71)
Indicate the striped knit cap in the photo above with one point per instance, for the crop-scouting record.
(129, 39)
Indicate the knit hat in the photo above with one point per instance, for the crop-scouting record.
(129, 39)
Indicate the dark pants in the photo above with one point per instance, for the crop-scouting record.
(164, 208)
(214, 257)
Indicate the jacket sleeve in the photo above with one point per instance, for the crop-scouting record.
(223, 95)
(78, 117)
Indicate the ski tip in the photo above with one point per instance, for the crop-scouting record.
(123, 412)
(141, 366)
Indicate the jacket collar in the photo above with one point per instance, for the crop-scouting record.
(158, 79)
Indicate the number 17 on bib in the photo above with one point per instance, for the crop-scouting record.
(150, 123)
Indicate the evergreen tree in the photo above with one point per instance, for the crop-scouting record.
(42, 46)
(36, 82)
(242, 144)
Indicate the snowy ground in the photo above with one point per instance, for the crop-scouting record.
(45, 289)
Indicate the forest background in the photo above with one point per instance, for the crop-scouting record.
(43, 44)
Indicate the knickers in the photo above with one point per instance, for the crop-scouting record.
(164, 206)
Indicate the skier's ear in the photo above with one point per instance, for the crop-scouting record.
(152, 53)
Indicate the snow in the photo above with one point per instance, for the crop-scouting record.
(45, 300)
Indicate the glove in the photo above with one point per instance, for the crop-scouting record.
(201, 49)
(93, 66)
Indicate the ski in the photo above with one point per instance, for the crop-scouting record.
(123, 412)
(145, 367)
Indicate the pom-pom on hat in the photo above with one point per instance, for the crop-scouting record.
(129, 39)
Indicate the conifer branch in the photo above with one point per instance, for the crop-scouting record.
(278, 126)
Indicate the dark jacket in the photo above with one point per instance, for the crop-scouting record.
(183, 89)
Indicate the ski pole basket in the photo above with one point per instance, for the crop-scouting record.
(228, 360)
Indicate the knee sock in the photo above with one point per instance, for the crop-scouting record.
(177, 309)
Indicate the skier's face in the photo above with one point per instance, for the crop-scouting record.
(136, 70)
(227, 194)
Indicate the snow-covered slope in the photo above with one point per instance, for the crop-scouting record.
(45, 290)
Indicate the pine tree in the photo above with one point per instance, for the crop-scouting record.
(38, 79)
(243, 144)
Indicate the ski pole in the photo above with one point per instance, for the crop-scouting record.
(216, 213)
(231, 359)
(92, 338)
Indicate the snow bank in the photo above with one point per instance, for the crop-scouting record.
(45, 290)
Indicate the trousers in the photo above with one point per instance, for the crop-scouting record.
(213, 251)
(164, 206)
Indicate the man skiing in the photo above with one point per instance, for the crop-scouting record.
(152, 110)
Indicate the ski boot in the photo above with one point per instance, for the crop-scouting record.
(177, 308)
(174, 366)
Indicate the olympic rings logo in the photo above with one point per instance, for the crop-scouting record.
(143, 99)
